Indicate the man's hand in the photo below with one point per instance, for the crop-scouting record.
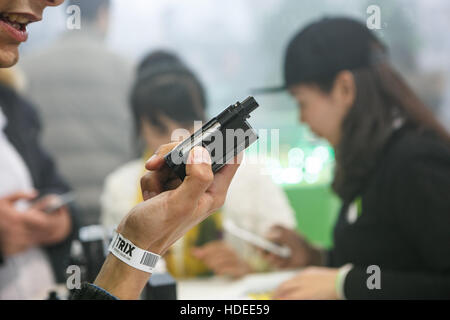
(222, 259)
(170, 209)
(311, 284)
(175, 207)
(302, 253)
(20, 231)
(48, 228)
(15, 236)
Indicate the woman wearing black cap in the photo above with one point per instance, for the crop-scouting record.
(392, 237)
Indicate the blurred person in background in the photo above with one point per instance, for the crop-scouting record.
(167, 96)
(392, 172)
(34, 244)
(84, 112)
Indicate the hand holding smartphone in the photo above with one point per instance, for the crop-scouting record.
(256, 240)
(55, 203)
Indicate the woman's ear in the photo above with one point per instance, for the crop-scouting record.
(344, 89)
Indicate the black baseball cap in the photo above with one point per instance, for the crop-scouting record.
(326, 47)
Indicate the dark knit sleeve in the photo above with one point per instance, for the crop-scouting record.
(420, 201)
(397, 285)
(90, 291)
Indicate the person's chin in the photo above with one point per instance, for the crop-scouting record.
(316, 132)
(9, 56)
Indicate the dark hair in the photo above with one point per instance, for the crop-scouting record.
(382, 98)
(89, 8)
(165, 86)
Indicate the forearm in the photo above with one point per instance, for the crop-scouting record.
(120, 279)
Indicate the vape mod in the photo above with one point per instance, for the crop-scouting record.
(225, 136)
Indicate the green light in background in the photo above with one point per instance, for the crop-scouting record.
(313, 165)
(292, 175)
(322, 153)
(296, 157)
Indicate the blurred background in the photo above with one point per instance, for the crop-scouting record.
(237, 45)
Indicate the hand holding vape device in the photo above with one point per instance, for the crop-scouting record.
(225, 136)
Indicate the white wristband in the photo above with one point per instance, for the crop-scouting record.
(129, 253)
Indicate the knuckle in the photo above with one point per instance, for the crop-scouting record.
(205, 176)
(148, 182)
(145, 179)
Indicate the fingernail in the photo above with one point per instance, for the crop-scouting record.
(201, 155)
(151, 159)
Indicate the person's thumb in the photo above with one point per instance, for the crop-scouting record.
(199, 176)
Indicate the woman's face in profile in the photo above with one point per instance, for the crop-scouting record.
(15, 15)
(324, 112)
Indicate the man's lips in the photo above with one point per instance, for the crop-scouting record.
(15, 24)
(19, 35)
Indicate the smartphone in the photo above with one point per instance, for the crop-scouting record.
(60, 202)
(256, 240)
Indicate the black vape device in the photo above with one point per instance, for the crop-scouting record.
(225, 136)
